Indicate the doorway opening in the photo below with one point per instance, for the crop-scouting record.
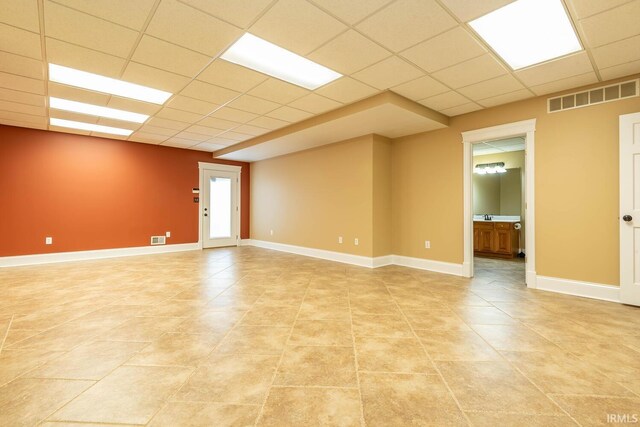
(505, 238)
(219, 205)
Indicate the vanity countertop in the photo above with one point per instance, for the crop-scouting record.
(497, 220)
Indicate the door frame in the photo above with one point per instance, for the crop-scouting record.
(526, 128)
(218, 167)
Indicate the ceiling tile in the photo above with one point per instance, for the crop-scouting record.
(278, 91)
(565, 84)
(493, 87)
(81, 58)
(23, 118)
(251, 130)
(192, 105)
(253, 105)
(506, 98)
(85, 30)
(289, 114)
(166, 123)
(128, 104)
(238, 12)
(586, 8)
(178, 115)
(24, 84)
(169, 57)
(204, 130)
(185, 26)
(349, 52)
(207, 146)
(238, 116)
(154, 77)
(222, 141)
(442, 51)
(316, 104)
(148, 138)
(22, 108)
(179, 143)
(617, 53)
(612, 25)
(406, 22)
(16, 64)
(461, 109)
(20, 42)
(468, 10)
(621, 70)
(209, 93)
(557, 69)
(215, 122)
(132, 14)
(159, 131)
(42, 125)
(268, 123)
(76, 94)
(387, 73)
(346, 90)
(22, 97)
(420, 88)
(351, 11)
(21, 13)
(192, 136)
(472, 71)
(297, 26)
(235, 136)
(445, 100)
(232, 76)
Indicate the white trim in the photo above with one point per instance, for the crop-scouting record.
(219, 167)
(14, 261)
(578, 288)
(430, 265)
(526, 127)
(382, 261)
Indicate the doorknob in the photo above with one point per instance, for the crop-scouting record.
(627, 218)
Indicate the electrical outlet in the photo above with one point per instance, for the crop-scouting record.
(340, 239)
(356, 241)
(271, 232)
(427, 244)
(167, 234)
(48, 240)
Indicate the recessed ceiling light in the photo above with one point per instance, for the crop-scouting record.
(89, 126)
(527, 32)
(95, 110)
(260, 55)
(98, 83)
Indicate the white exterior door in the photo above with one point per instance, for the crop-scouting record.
(220, 208)
(630, 209)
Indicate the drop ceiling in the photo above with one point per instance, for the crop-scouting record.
(498, 146)
(421, 49)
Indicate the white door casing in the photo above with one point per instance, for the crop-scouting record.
(630, 209)
(223, 173)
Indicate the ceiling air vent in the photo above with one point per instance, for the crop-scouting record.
(158, 240)
(593, 96)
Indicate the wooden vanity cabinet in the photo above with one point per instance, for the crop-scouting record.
(495, 239)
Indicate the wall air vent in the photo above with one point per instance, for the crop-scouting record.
(158, 240)
(597, 95)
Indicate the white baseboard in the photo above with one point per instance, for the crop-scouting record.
(382, 261)
(430, 265)
(577, 288)
(14, 261)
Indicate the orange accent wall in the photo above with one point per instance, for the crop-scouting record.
(96, 193)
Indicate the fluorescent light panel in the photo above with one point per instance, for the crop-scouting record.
(527, 32)
(98, 83)
(89, 127)
(260, 55)
(96, 110)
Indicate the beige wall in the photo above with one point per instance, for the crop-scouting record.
(382, 208)
(311, 197)
(511, 192)
(486, 194)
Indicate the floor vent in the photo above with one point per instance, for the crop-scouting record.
(158, 240)
(597, 95)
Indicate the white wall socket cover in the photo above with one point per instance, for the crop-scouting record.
(339, 239)
(271, 231)
(167, 234)
(356, 241)
(427, 244)
(48, 240)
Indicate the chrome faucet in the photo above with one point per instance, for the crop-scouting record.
(488, 217)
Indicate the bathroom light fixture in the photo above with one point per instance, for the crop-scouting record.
(260, 55)
(98, 83)
(89, 127)
(528, 32)
(96, 110)
(489, 168)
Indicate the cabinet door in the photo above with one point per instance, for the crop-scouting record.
(503, 242)
(485, 240)
(476, 239)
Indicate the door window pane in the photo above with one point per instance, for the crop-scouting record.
(220, 208)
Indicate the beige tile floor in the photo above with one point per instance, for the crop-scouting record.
(247, 336)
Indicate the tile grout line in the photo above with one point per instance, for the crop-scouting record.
(355, 358)
(6, 333)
